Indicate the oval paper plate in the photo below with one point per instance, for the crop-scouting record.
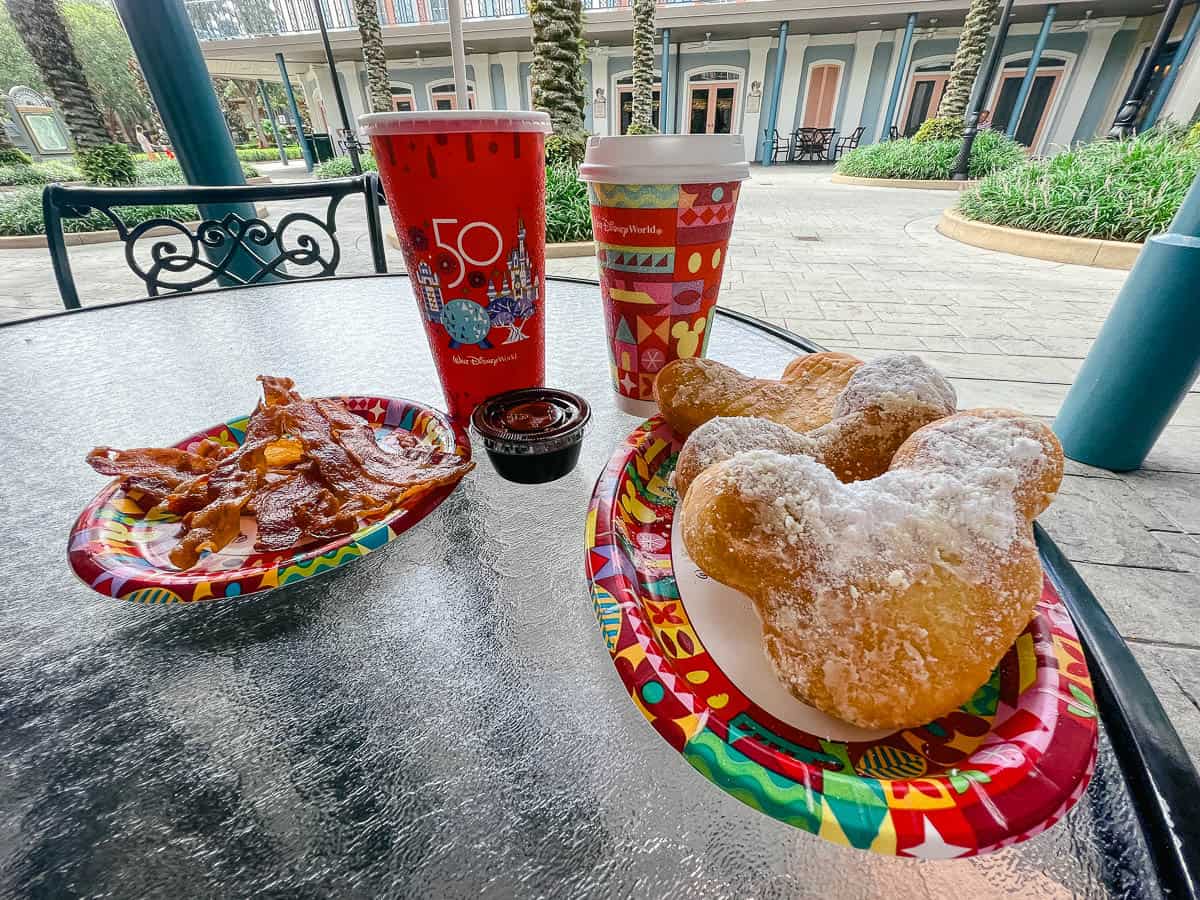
(1003, 767)
(117, 549)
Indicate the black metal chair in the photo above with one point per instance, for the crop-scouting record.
(893, 133)
(848, 142)
(235, 249)
(776, 147)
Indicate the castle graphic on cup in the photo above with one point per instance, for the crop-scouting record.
(512, 300)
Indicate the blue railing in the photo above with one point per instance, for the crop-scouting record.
(216, 20)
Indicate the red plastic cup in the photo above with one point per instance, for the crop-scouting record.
(467, 191)
(662, 212)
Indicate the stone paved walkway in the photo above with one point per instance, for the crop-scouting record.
(863, 270)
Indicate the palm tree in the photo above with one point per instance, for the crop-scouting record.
(44, 34)
(556, 74)
(379, 84)
(643, 67)
(968, 56)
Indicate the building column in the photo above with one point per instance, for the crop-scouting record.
(511, 64)
(356, 100)
(901, 51)
(327, 101)
(481, 65)
(599, 58)
(314, 99)
(789, 92)
(756, 74)
(860, 73)
(1014, 118)
(666, 102)
(1087, 67)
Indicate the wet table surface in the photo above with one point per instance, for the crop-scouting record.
(438, 719)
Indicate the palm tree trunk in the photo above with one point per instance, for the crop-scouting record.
(643, 68)
(45, 35)
(967, 58)
(556, 72)
(379, 83)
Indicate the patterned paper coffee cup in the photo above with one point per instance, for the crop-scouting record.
(661, 247)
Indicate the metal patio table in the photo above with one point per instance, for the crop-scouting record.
(441, 718)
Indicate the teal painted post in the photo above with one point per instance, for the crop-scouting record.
(1027, 82)
(898, 80)
(301, 138)
(664, 86)
(1177, 61)
(773, 109)
(1146, 356)
(266, 102)
(169, 54)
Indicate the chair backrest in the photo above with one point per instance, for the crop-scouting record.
(232, 250)
(858, 133)
(893, 133)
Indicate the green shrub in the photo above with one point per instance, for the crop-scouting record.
(167, 171)
(39, 173)
(568, 215)
(21, 213)
(14, 156)
(267, 154)
(1112, 190)
(945, 128)
(931, 160)
(339, 166)
(111, 164)
(1193, 136)
(565, 149)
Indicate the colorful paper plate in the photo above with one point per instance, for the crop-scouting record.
(117, 549)
(1000, 769)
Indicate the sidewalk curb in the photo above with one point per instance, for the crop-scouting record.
(911, 184)
(1052, 247)
(83, 238)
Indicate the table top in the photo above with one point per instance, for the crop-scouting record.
(440, 718)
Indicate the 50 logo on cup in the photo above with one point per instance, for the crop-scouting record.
(464, 283)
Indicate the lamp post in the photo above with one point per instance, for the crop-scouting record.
(1123, 124)
(963, 164)
(350, 136)
(1177, 61)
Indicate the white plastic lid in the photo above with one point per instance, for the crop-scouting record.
(665, 159)
(453, 120)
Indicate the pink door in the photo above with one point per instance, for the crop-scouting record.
(821, 98)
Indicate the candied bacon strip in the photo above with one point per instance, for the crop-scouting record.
(217, 523)
(155, 471)
(297, 511)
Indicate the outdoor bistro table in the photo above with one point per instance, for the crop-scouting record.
(440, 718)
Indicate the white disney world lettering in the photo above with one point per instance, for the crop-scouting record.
(483, 360)
(627, 229)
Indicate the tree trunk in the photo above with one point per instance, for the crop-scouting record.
(379, 83)
(967, 58)
(44, 34)
(249, 92)
(557, 70)
(643, 68)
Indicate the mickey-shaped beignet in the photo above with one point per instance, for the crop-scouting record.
(885, 400)
(692, 391)
(885, 602)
